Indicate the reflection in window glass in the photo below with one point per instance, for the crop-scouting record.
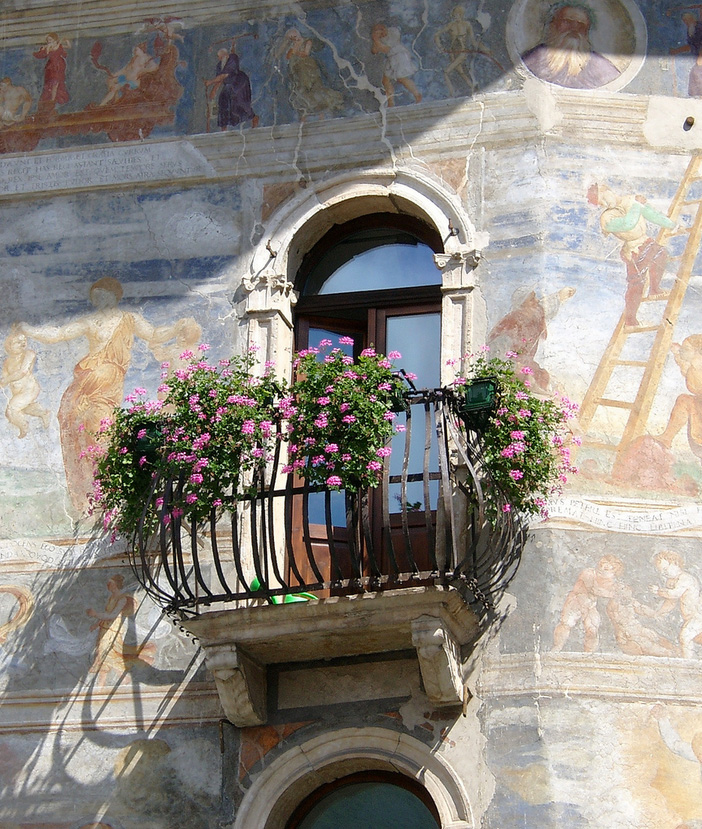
(389, 266)
(418, 338)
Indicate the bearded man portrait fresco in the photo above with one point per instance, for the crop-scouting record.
(566, 56)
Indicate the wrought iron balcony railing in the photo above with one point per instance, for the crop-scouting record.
(425, 524)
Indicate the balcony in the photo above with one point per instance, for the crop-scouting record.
(297, 573)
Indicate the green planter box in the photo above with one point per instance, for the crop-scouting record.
(476, 402)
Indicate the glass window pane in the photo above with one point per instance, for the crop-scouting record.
(388, 266)
(370, 806)
(317, 335)
(418, 338)
(315, 506)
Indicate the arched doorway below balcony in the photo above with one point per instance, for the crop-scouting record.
(371, 799)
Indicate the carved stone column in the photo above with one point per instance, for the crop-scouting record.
(463, 318)
(269, 315)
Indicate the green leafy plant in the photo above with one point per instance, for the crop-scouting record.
(340, 414)
(525, 437)
(212, 426)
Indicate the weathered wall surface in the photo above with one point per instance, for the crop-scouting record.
(119, 160)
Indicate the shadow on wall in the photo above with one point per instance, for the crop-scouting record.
(81, 654)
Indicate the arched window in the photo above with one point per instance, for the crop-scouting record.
(374, 278)
(372, 800)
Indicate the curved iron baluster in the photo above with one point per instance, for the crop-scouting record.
(484, 567)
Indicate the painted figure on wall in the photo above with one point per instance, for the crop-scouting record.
(54, 92)
(130, 75)
(234, 88)
(566, 57)
(18, 376)
(633, 637)
(682, 591)
(147, 84)
(21, 613)
(687, 409)
(309, 95)
(461, 43)
(398, 66)
(626, 218)
(525, 327)
(580, 605)
(173, 355)
(693, 29)
(15, 103)
(111, 652)
(98, 378)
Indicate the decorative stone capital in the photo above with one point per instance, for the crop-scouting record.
(241, 684)
(439, 657)
(269, 292)
(457, 268)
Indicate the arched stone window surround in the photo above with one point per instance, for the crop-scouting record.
(299, 771)
(301, 222)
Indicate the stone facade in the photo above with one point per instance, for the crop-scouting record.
(566, 183)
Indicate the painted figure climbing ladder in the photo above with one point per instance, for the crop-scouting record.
(640, 407)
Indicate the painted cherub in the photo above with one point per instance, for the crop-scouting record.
(682, 591)
(17, 374)
(580, 605)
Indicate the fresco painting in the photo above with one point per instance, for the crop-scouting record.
(458, 40)
(139, 95)
(17, 375)
(328, 62)
(566, 56)
(580, 46)
(680, 592)
(692, 24)
(524, 328)
(613, 324)
(229, 92)
(112, 655)
(398, 66)
(98, 378)
(147, 780)
(164, 275)
(627, 218)
(61, 374)
(56, 639)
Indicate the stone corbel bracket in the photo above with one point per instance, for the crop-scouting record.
(457, 268)
(241, 684)
(439, 657)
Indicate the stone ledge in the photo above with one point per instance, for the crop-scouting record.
(239, 643)
(643, 679)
